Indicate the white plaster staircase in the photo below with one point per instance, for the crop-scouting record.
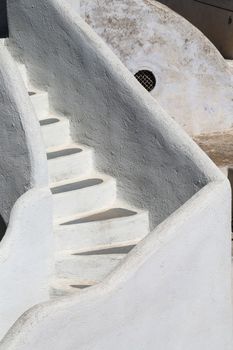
(93, 229)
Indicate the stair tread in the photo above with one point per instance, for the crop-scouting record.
(124, 249)
(68, 146)
(82, 195)
(73, 281)
(73, 186)
(52, 120)
(101, 216)
(109, 214)
(69, 162)
(109, 231)
(86, 267)
(63, 152)
(72, 182)
(110, 253)
(66, 286)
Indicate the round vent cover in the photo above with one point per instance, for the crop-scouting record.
(147, 79)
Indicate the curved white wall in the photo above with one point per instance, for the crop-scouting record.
(173, 292)
(26, 256)
(25, 200)
(22, 157)
(194, 83)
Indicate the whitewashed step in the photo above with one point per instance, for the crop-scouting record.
(87, 267)
(63, 287)
(69, 162)
(73, 198)
(40, 102)
(55, 131)
(116, 226)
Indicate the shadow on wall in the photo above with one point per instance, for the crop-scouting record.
(3, 19)
(2, 228)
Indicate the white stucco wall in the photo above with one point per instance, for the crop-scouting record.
(75, 4)
(22, 156)
(26, 256)
(25, 200)
(156, 165)
(194, 84)
(173, 291)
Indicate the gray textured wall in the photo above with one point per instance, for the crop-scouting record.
(189, 70)
(213, 17)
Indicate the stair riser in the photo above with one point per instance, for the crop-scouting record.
(70, 167)
(84, 200)
(56, 134)
(87, 268)
(92, 235)
(40, 103)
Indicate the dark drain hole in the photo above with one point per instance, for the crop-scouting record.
(147, 79)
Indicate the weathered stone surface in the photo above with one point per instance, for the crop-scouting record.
(218, 146)
(194, 84)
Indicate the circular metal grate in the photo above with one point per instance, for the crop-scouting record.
(147, 79)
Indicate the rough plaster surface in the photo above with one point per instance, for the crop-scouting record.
(75, 4)
(156, 165)
(25, 250)
(173, 292)
(25, 256)
(21, 156)
(194, 84)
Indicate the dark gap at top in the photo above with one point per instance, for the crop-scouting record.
(4, 30)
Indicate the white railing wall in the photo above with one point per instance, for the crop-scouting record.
(172, 292)
(25, 200)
